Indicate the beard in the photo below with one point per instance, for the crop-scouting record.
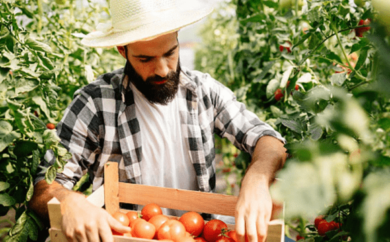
(155, 93)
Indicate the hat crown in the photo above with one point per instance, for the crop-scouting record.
(128, 10)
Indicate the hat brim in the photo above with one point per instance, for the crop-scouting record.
(169, 23)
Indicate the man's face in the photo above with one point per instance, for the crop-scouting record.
(153, 67)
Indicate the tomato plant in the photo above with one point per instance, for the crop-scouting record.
(336, 124)
(193, 223)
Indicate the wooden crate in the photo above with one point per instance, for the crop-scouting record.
(114, 192)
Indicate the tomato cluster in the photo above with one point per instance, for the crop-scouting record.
(151, 223)
(359, 31)
(279, 94)
(324, 226)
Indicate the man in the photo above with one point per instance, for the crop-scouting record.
(157, 120)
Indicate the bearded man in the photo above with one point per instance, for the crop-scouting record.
(157, 120)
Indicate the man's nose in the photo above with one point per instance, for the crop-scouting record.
(161, 68)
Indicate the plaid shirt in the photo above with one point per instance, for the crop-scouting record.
(101, 125)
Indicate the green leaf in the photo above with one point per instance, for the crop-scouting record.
(255, 18)
(264, 71)
(26, 86)
(293, 125)
(7, 135)
(4, 186)
(384, 123)
(271, 4)
(331, 55)
(362, 43)
(316, 132)
(37, 220)
(37, 45)
(362, 58)
(46, 61)
(50, 174)
(271, 88)
(6, 200)
(24, 148)
(338, 79)
(35, 161)
(42, 104)
(30, 190)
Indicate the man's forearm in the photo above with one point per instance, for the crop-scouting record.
(43, 193)
(269, 156)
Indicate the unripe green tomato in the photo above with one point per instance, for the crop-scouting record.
(285, 4)
(383, 8)
(60, 2)
(360, 3)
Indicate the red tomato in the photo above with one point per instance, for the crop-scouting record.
(143, 229)
(132, 215)
(224, 239)
(317, 220)
(323, 227)
(299, 237)
(150, 210)
(213, 229)
(232, 234)
(116, 233)
(200, 239)
(157, 221)
(296, 87)
(278, 94)
(136, 221)
(193, 222)
(361, 30)
(281, 47)
(171, 229)
(186, 239)
(121, 217)
(50, 126)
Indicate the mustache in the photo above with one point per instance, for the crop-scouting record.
(158, 78)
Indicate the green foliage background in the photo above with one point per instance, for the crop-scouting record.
(336, 123)
(41, 65)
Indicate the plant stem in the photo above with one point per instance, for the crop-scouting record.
(330, 36)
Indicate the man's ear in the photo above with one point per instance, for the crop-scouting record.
(122, 51)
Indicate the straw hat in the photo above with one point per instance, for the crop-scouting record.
(136, 20)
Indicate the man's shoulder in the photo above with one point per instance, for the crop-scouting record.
(107, 82)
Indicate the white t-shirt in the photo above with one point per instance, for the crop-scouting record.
(165, 156)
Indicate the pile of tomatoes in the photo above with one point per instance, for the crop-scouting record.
(151, 223)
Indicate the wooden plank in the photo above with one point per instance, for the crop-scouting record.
(201, 202)
(56, 235)
(55, 215)
(97, 197)
(111, 188)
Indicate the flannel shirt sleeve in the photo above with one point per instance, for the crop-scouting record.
(233, 121)
(78, 131)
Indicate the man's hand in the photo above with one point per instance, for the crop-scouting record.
(253, 212)
(254, 205)
(83, 221)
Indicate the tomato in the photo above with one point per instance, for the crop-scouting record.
(232, 234)
(143, 229)
(116, 233)
(132, 215)
(299, 237)
(323, 227)
(150, 210)
(281, 47)
(157, 221)
(50, 126)
(318, 219)
(224, 239)
(361, 30)
(200, 239)
(213, 229)
(193, 222)
(171, 229)
(186, 239)
(278, 94)
(296, 87)
(136, 221)
(121, 217)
